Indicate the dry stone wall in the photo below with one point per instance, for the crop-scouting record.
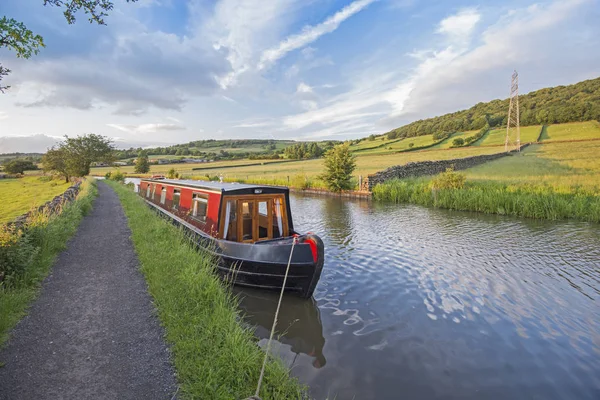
(50, 207)
(424, 168)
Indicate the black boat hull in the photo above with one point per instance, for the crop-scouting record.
(262, 265)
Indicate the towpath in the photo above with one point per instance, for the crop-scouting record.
(92, 333)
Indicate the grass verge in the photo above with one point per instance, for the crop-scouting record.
(215, 357)
(45, 239)
(521, 200)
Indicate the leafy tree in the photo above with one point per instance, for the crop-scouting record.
(142, 165)
(74, 156)
(55, 160)
(19, 166)
(339, 165)
(458, 142)
(14, 35)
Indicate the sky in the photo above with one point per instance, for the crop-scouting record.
(172, 71)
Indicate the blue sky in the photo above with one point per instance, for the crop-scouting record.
(171, 71)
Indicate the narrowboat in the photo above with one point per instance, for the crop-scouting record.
(249, 228)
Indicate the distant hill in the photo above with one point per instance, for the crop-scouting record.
(215, 149)
(578, 102)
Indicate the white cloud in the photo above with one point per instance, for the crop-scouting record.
(311, 33)
(146, 128)
(303, 88)
(460, 25)
(3, 115)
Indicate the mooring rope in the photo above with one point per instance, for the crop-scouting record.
(262, 371)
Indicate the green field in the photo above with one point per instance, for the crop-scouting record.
(181, 168)
(18, 196)
(573, 131)
(446, 144)
(496, 137)
(561, 165)
(366, 163)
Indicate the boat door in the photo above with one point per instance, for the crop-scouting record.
(252, 219)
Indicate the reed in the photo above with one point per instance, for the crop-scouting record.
(522, 200)
(214, 355)
(26, 255)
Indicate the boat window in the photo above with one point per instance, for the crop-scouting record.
(148, 190)
(163, 195)
(176, 197)
(199, 206)
(230, 229)
(153, 192)
(247, 210)
(264, 211)
(277, 219)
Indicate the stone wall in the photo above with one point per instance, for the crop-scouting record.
(424, 168)
(50, 207)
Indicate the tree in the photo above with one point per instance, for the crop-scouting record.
(339, 165)
(142, 165)
(19, 166)
(15, 36)
(74, 156)
(55, 160)
(458, 142)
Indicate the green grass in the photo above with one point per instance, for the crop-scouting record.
(573, 131)
(561, 165)
(532, 201)
(445, 144)
(215, 357)
(50, 238)
(18, 196)
(547, 181)
(496, 137)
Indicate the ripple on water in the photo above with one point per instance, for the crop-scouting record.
(437, 304)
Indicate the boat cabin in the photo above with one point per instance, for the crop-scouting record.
(230, 211)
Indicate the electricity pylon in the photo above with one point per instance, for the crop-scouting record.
(512, 124)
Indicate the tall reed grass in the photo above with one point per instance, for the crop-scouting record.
(523, 200)
(214, 355)
(26, 254)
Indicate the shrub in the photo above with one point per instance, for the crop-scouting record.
(107, 175)
(411, 145)
(172, 174)
(458, 142)
(117, 176)
(17, 249)
(301, 181)
(448, 180)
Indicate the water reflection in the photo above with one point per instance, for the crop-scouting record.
(298, 327)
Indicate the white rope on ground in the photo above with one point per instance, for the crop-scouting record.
(262, 371)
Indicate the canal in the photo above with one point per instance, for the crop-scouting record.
(419, 303)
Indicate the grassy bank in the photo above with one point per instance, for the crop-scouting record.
(522, 200)
(18, 196)
(26, 258)
(215, 357)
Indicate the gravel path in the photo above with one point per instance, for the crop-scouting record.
(92, 333)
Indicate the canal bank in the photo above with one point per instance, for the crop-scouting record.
(214, 355)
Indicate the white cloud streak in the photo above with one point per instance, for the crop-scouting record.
(311, 33)
(146, 128)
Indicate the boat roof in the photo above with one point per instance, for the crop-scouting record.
(224, 187)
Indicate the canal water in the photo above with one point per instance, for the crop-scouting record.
(418, 303)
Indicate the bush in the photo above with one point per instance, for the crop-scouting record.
(172, 174)
(17, 249)
(117, 176)
(411, 145)
(301, 181)
(458, 142)
(449, 180)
